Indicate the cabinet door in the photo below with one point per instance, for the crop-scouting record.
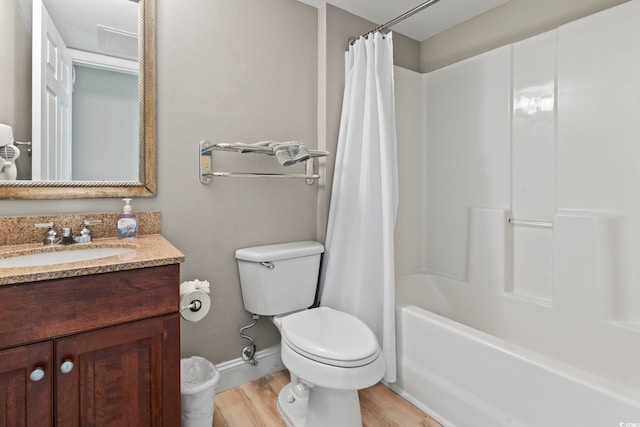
(120, 376)
(25, 386)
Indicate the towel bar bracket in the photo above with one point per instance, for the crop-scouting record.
(206, 162)
(206, 173)
(308, 170)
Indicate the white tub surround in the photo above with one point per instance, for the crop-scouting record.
(527, 234)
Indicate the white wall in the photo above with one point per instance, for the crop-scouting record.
(98, 94)
(533, 189)
(411, 253)
(467, 153)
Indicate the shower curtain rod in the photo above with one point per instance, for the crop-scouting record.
(394, 21)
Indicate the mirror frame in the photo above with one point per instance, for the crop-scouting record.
(146, 185)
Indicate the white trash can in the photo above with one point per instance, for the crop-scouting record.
(198, 379)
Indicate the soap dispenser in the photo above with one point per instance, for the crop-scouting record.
(127, 226)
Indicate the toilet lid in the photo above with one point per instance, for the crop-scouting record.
(330, 336)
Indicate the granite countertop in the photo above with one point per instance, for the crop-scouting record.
(151, 250)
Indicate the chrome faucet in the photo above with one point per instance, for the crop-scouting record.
(51, 237)
(85, 233)
(67, 236)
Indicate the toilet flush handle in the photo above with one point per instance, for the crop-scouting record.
(269, 265)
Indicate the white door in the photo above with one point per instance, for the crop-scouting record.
(51, 92)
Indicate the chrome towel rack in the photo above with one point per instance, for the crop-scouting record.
(207, 173)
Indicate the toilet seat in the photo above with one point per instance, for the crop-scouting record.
(331, 337)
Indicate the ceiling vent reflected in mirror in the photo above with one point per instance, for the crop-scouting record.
(118, 42)
(105, 27)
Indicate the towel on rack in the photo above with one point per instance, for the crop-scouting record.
(287, 153)
(290, 152)
(243, 147)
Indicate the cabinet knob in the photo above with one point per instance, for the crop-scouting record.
(37, 374)
(66, 366)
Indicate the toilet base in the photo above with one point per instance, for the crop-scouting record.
(324, 407)
(293, 413)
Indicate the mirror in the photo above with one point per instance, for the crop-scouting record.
(138, 179)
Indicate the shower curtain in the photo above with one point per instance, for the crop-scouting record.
(357, 273)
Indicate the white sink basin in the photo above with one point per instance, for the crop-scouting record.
(62, 257)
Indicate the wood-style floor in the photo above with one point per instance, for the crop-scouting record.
(254, 404)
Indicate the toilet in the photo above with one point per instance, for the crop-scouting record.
(330, 354)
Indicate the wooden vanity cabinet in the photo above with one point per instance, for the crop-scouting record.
(108, 346)
(25, 401)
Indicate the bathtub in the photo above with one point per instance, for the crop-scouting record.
(463, 376)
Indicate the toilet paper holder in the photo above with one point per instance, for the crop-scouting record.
(194, 306)
(195, 300)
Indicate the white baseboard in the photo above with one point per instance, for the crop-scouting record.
(237, 372)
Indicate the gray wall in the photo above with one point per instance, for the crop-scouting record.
(232, 71)
(508, 23)
(15, 78)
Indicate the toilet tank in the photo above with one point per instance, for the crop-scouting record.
(281, 278)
